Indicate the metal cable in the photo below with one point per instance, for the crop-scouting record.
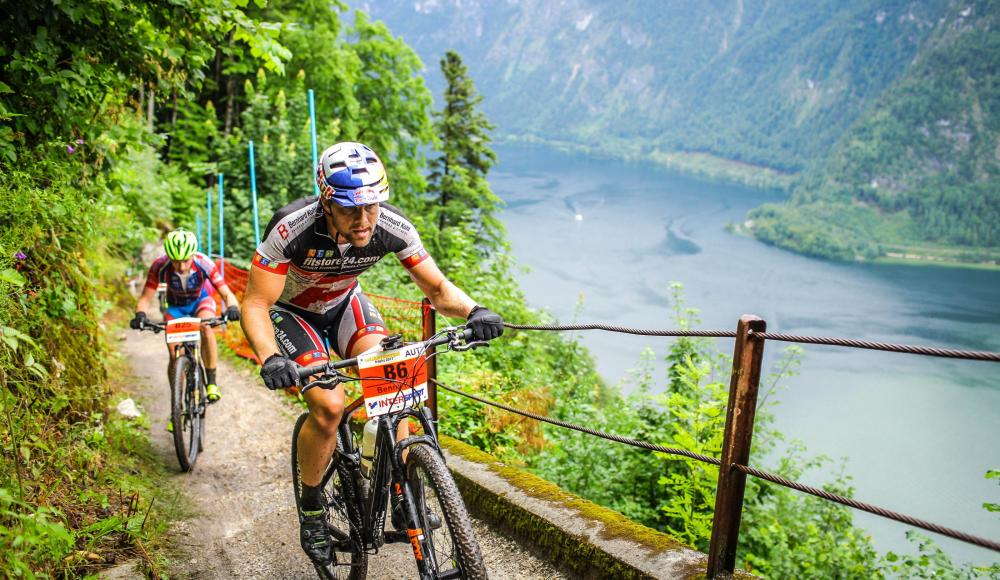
(848, 342)
(907, 348)
(587, 430)
(624, 330)
(885, 513)
(821, 493)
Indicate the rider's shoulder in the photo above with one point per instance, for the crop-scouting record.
(203, 260)
(160, 262)
(295, 214)
(394, 221)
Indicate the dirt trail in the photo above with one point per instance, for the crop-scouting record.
(246, 525)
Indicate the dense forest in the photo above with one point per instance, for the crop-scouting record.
(143, 106)
(880, 114)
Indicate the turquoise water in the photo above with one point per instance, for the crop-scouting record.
(918, 433)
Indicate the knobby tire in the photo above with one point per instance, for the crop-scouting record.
(343, 500)
(454, 544)
(186, 421)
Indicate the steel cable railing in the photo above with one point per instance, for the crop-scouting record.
(767, 476)
(879, 511)
(587, 430)
(830, 341)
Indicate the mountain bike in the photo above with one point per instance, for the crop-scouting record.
(356, 486)
(188, 400)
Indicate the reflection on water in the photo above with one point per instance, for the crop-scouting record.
(934, 421)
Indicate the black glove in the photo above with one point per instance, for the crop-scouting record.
(485, 324)
(233, 313)
(279, 372)
(137, 322)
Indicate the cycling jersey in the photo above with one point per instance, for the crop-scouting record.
(205, 302)
(320, 273)
(185, 290)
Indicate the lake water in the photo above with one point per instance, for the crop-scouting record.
(918, 433)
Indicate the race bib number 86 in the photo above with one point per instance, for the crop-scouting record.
(393, 379)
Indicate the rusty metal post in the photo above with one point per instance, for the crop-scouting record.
(429, 327)
(749, 351)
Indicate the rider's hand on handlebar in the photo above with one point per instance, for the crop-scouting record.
(137, 322)
(233, 313)
(484, 323)
(279, 372)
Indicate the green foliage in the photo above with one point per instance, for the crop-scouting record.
(784, 534)
(932, 562)
(920, 167)
(69, 66)
(462, 199)
(30, 539)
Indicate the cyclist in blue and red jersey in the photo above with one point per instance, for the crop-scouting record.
(191, 280)
(304, 285)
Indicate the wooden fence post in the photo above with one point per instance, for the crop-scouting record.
(429, 327)
(749, 351)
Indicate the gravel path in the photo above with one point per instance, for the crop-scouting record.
(246, 525)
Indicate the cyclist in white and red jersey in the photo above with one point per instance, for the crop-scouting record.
(191, 280)
(303, 286)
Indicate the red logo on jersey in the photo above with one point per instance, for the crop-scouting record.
(283, 231)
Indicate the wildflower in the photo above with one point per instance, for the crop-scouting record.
(20, 256)
(70, 150)
(79, 141)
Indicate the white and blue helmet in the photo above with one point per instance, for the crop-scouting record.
(352, 175)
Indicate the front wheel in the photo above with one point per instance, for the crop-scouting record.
(343, 502)
(451, 549)
(184, 412)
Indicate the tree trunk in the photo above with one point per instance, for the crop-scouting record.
(151, 108)
(230, 104)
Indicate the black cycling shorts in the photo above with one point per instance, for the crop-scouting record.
(303, 336)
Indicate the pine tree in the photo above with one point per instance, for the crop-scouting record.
(462, 204)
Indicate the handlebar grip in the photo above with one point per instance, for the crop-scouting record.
(306, 372)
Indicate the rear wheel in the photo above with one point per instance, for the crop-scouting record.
(452, 549)
(343, 502)
(184, 412)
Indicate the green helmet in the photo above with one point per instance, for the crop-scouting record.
(180, 244)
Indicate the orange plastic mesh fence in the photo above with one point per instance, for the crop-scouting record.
(405, 317)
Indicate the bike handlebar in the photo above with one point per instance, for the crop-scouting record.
(158, 327)
(444, 338)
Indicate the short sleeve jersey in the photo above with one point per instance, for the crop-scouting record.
(319, 273)
(179, 291)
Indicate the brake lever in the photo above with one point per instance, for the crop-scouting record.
(468, 346)
(329, 382)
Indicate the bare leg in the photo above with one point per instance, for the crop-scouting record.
(210, 347)
(318, 436)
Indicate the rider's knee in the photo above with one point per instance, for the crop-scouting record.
(327, 416)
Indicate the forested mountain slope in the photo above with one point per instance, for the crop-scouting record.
(764, 82)
(919, 174)
(884, 110)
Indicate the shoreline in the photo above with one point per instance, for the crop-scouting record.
(701, 165)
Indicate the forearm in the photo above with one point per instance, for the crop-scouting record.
(145, 300)
(449, 300)
(256, 323)
(229, 297)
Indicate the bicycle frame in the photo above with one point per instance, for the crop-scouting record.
(388, 474)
